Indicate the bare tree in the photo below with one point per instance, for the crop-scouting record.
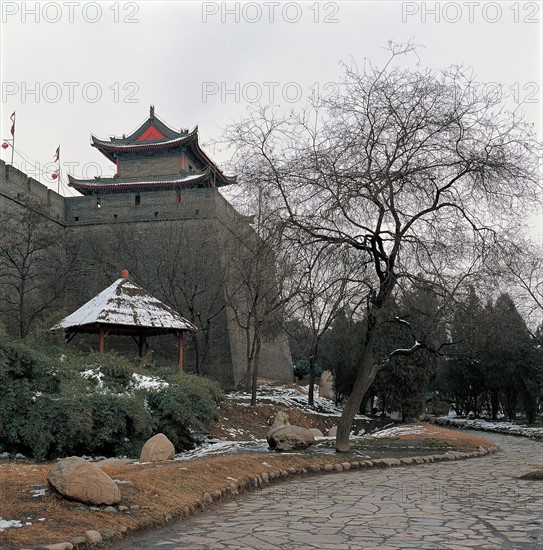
(325, 281)
(256, 268)
(519, 262)
(419, 172)
(34, 271)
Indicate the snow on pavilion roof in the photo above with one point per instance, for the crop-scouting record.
(125, 304)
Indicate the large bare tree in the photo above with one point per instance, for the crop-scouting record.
(418, 171)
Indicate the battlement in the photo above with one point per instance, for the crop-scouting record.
(18, 187)
(169, 205)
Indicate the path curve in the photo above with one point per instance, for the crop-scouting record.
(476, 503)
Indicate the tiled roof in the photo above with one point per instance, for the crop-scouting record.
(87, 186)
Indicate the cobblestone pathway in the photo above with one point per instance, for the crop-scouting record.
(477, 503)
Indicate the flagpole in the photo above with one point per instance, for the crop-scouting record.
(12, 148)
(12, 137)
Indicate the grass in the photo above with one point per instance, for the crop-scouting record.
(162, 491)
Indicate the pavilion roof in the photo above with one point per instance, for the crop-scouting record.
(125, 305)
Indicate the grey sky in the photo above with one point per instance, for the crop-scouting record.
(202, 62)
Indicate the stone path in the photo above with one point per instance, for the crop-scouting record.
(476, 503)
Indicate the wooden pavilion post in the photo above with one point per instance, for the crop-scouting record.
(101, 340)
(141, 343)
(180, 351)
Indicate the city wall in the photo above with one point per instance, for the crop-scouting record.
(96, 229)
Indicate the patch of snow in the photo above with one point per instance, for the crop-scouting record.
(7, 523)
(399, 430)
(39, 492)
(141, 381)
(491, 426)
(96, 373)
(292, 398)
(220, 447)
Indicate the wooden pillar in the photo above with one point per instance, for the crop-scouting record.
(180, 351)
(141, 342)
(102, 337)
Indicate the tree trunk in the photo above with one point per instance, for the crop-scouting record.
(311, 394)
(255, 372)
(364, 379)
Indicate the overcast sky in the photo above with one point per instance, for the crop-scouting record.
(72, 69)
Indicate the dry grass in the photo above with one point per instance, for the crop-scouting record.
(458, 440)
(163, 491)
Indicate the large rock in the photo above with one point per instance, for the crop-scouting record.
(440, 408)
(78, 479)
(158, 448)
(326, 385)
(281, 419)
(290, 438)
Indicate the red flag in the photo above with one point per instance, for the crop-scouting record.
(57, 154)
(12, 118)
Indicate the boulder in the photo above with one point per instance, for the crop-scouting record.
(158, 448)
(78, 479)
(440, 408)
(281, 419)
(316, 432)
(290, 438)
(326, 385)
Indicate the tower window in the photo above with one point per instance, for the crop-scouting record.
(137, 200)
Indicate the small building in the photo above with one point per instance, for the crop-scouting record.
(154, 157)
(125, 308)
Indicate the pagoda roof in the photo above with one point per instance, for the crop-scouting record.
(155, 135)
(121, 144)
(151, 183)
(125, 305)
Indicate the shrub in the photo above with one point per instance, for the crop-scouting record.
(182, 410)
(117, 371)
(47, 409)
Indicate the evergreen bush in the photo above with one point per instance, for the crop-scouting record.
(48, 409)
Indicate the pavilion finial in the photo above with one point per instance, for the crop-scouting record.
(151, 111)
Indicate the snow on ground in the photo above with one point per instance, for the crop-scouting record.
(7, 523)
(225, 447)
(490, 426)
(397, 431)
(293, 398)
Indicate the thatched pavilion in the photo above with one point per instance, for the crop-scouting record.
(124, 308)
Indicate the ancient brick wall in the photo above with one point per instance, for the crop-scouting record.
(173, 245)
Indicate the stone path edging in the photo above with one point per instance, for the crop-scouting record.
(467, 424)
(258, 481)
